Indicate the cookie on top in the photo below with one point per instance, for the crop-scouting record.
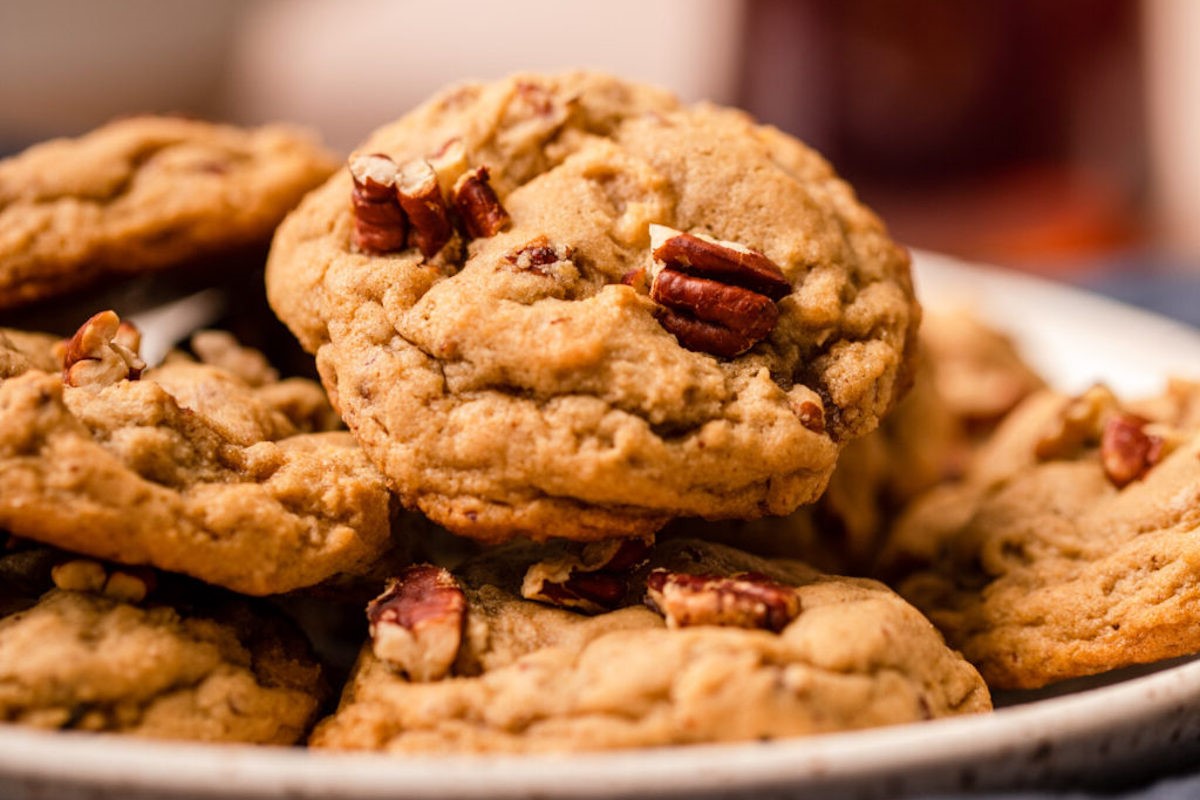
(570, 306)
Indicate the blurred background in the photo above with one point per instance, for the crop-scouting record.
(1059, 137)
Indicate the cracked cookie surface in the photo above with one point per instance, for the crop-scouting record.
(144, 194)
(504, 397)
(1044, 564)
(190, 469)
(216, 669)
(531, 677)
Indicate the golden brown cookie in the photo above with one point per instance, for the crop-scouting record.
(1072, 545)
(21, 351)
(102, 650)
(544, 369)
(733, 648)
(143, 194)
(979, 371)
(186, 467)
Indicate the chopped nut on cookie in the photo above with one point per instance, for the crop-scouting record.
(745, 600)
(102, 352)
(391, 200)
(716, 297)
(538, 253)
(417, 623)
(380, 225)
(421, 198)
(1095, 419)
(1127, 452)
(478, 205)
(594, 581)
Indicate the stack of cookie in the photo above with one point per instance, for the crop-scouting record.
(141, 504)
(598, 354)
(571, 310)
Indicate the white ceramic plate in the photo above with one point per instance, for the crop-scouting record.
(1134, 722)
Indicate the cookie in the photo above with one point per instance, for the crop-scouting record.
(95, 658)
(1071, 547)
(543, 369)
(750, 649)
(21, 351)
(187, 467)
(144, 194)
(980, 373)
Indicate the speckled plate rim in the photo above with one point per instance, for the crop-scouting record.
(1071, 335)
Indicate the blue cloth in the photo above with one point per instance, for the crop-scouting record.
(1168, 292)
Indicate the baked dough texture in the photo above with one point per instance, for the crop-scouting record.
(82, 661)
(506, 401)
(534, 678)
(142, 194)
(1039, 568)
(979, 371)
(190, 469)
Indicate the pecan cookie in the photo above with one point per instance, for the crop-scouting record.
(143, 194)
(188, 467)
(109, 650)
(980, 374)
(1071, 547)
(688, 643)
(570, 306)
(21, 351)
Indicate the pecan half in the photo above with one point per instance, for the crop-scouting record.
(416, 625)
(420, 196)
(746, 600)
(1127, 452)
(102, 352)
(380, 225)
(596, 580)
(478, 205)
(716, 297)
(728, 262)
